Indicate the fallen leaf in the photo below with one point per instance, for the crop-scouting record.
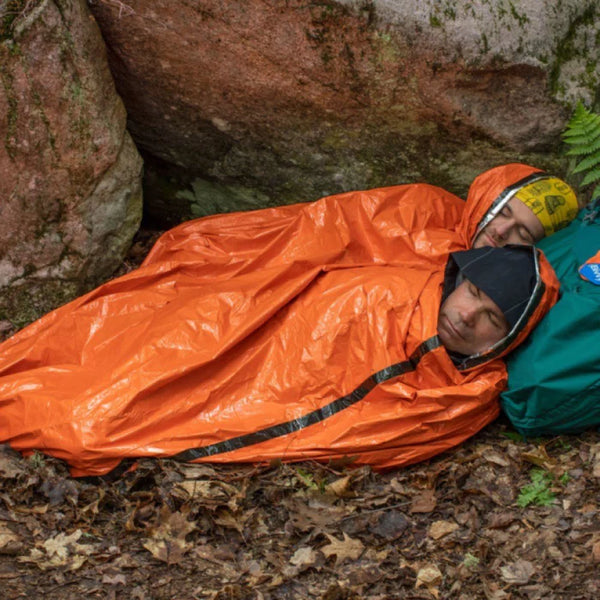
(596, 552)
(391, 525)
(213, 489)
(195, 471)
(439, 529)
(59, 489)
(11, 462)
(60, 551)
(424, 502)
(517, 573)
(496, 458)
(339, 487)
(167, 542)
(347, 548)
(304, 556)
(539, 457)
(493, 592)
(229, 521)
(114, 579)
(9, 541)
(6, 535)
(431, 577)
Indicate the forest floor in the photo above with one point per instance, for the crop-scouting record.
(499, 518)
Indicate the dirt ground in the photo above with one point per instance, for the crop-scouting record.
(499, 518)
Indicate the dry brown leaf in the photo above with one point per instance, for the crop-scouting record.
(518, 572)
(226, 519)
(207, 488)
(430, 576)
(596, 467)
(347, 548)
(60, 551)
(493, 592)
(195, 471)
(119, 578)
(6, 536)
(424, 502)
(539, 457)
(33, 510)
(390, 525)
(167, 542)
(11, 463)
(304, 556)
(496, 458)
(339, 487)
(439, 529)
(596, 552)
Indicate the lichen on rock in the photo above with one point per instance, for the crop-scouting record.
(70, 176)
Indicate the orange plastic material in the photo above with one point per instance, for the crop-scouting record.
(284, 333)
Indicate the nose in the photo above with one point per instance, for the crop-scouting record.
(468, 314)
(503, 228)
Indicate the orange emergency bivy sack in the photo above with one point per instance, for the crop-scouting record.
(252, 347)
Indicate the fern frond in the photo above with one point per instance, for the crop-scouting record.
(589, 162)
(582, 125)
(587, 130)
(582, 136)
(579, 150)
(591, 177)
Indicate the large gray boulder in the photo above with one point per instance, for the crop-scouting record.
(70, 175)
(272, 102)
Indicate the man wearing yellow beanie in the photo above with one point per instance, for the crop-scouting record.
(535, 208)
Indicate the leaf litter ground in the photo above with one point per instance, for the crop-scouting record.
(498, 518)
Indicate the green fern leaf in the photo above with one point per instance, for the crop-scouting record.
(579, 150)
(589, 132)
(591, 177)
(588, 163)
(586, 126)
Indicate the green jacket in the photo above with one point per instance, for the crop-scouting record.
(554, 377)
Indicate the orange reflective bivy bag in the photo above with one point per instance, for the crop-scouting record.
(302, 332)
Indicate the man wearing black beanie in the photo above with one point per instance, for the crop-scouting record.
(486, 295)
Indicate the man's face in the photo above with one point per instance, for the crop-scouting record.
(514, 224)
(469, 322)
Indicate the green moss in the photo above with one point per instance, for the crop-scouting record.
(566, 49)
(450, 13)
(434, 21)
(37, 101)
(23, 303)
(485, 46)
(13, 111)
(10, 14)
(522, 19)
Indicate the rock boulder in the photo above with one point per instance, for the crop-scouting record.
(287, 101)
(70, 175)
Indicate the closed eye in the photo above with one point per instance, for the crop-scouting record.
(526, 235)
(494, 320)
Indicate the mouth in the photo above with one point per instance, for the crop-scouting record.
(451, 328)
(490, 240)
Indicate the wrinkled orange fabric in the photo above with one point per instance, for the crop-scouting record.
(393, 225)
(291, 333)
